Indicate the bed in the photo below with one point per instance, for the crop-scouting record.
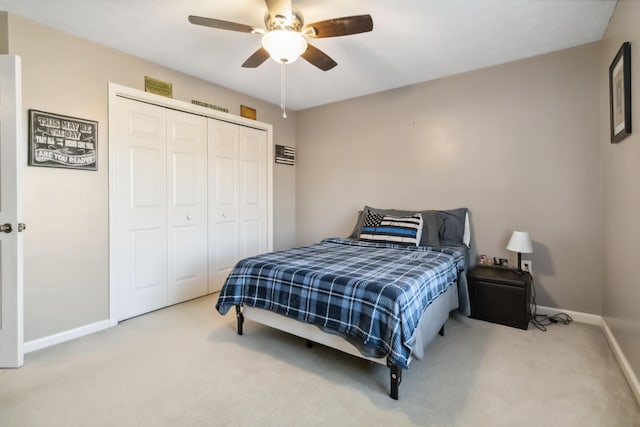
(372, 295)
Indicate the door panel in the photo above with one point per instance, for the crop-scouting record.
(225, 182)
(251, 238)
(224, 258)
(188, 267)
(11, 161)
(146, 256)
(223, 140)
(139, 146)
(187, 214)
(146, 171)
(186, 173)
(253, 191)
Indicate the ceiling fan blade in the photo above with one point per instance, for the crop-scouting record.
(316, 57)
(279, 8)
(223, 25)
(339, 26)
(258, 57)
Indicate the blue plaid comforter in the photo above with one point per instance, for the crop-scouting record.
(373, 294)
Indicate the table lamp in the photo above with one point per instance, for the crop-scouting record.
(521, 243)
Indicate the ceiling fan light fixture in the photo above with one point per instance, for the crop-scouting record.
(284, 46)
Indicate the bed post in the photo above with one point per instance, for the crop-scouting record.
(240, 317)
(396, 378)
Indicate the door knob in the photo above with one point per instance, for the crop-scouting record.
(6, 228)
(21, 227)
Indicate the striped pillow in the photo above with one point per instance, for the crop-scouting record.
(404, 230)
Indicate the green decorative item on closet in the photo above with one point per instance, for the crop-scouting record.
(207, 105)
(158, 87)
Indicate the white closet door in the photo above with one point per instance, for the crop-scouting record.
(139, 147)
(224, 251)
(252, 192)
(187, 215)
(237, 197)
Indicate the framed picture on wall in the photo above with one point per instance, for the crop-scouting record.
(58, 141)
(620, 94)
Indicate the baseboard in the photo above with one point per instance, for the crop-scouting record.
(61, 337)
(589, 319)
(632, 379)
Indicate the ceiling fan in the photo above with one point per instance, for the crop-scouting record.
(285, 36)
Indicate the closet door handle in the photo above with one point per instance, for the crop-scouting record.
(6, 228)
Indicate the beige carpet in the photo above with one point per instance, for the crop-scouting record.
(185, 366)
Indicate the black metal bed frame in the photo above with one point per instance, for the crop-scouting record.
(395, 371)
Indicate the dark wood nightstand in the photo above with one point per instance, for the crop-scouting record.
(500, 295)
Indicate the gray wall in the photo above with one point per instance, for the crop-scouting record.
(4, 33)
(621, 178)
(517, 144)
(66, 211)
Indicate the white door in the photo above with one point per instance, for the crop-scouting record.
(11, 163)
(138, 142)
(253, 192)
(237, 197)
(187, 215)
(160, 158)
(224, 249)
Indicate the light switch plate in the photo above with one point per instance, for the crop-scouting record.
(527, 265)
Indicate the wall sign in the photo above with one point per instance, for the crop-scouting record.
(159, 87)
(248, 112)
(285, 155)
(62, 142)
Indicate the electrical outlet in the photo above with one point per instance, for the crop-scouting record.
(527, 265)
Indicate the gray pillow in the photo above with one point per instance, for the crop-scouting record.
(453, 225)
(431, 228)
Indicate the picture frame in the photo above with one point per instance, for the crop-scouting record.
(58, 141)
(285, 155)
(620, 94)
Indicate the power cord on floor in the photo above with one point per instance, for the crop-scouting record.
(541, 321)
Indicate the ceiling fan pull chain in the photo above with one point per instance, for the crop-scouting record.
(283, 101)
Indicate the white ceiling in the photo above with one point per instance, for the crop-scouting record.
(412, 40)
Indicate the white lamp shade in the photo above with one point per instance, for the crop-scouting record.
(520, 242)
(284, 46)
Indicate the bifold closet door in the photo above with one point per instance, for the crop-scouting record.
(140, 160)
(237, 196)
(253, 191)
(187, 206)
(159, 169)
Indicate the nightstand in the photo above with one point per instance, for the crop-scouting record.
(500, 295)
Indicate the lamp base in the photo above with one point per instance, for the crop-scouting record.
(519, 270)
